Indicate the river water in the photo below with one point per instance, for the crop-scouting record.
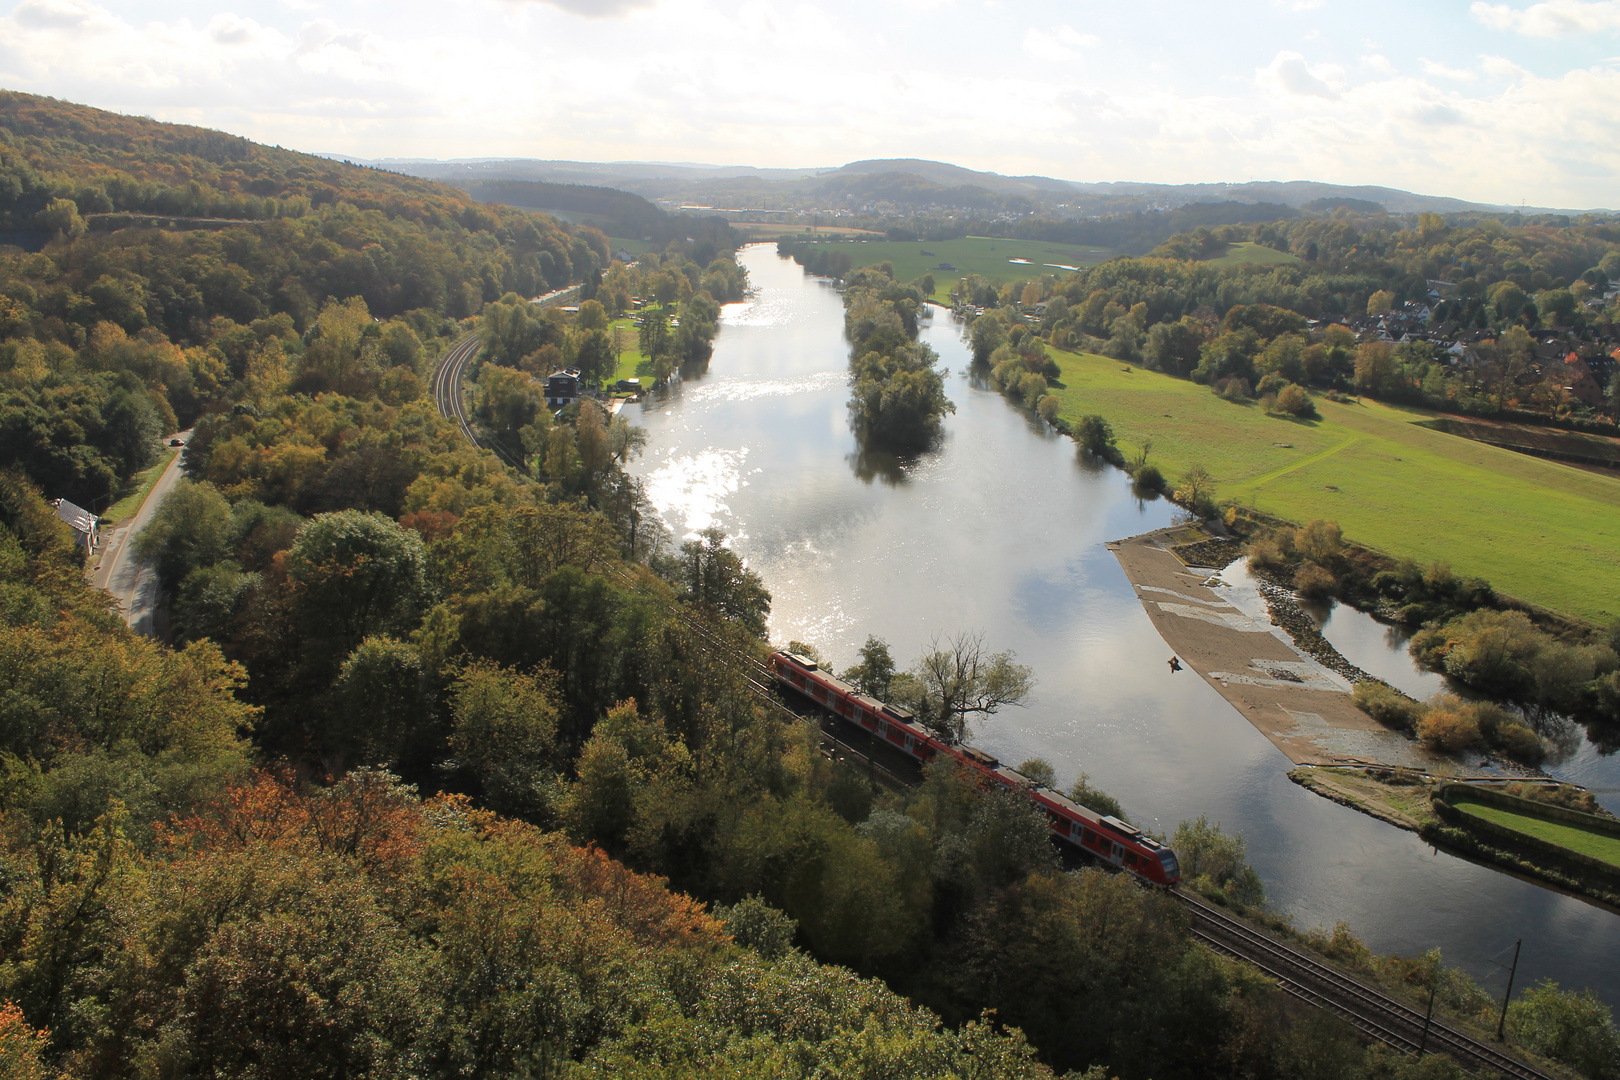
(1001, 530)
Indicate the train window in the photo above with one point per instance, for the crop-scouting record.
(1130, 858)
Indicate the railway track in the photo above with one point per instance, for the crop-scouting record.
(447, 379)
(1299, 974)
(1371, 1011)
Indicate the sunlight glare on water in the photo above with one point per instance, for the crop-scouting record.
(692, 489)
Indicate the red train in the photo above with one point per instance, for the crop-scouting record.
(1102, 837)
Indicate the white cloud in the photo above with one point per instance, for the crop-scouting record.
(1553, 18)
(1290, 74)
(593, 9)
(1442, 71)
(1500, 67)
(1060, 44)
(791, 82)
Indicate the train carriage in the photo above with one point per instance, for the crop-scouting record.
(1100, 836)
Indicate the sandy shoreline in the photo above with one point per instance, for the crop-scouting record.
(1300, 705)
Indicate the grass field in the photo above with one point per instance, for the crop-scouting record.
(138, 486)
(633, 363)
(1538, 530)
(1595, 844)
(990, 257)
(1248, 253)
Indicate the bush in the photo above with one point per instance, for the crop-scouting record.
(1048, 407)
(1449, 726)
(1149, 478)
(1566, 795)
(1096, 435)
(1314, 582)
(1216, 862)
(1507, 733)
(1575, 1029)
(1293, 400)
(1388, 706)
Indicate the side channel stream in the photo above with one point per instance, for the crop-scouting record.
(1002, 530)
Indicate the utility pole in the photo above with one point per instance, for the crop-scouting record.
(1501, 1025)
(1423, 1043)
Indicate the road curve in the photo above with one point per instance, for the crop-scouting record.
(131, 582)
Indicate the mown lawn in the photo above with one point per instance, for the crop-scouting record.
(632, 362)
(1597, 845)
(1249, 253)
(1536, 529)
(988, 256)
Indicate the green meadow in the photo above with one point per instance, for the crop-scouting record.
(989, 257)
(1248, 253)
(1538, 530)
(1595, 844)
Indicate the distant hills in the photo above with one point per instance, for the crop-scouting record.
(913, 184)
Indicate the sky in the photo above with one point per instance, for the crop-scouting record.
(1506, 103)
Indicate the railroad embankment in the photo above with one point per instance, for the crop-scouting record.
(1301, 704)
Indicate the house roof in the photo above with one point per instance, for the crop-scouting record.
(77, 516)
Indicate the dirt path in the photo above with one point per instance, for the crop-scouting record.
(1302, 707)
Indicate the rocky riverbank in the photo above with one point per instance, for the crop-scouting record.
(1283, 607)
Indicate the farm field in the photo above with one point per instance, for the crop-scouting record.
(988, 256)
(1535, 529)
(1597, 845)
(1249, 253)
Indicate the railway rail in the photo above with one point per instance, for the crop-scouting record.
(1373, 1012)
(447, 379)
(1304, 977)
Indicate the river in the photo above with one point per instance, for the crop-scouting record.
(1001, 530)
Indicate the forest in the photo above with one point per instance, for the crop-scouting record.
(451, 767)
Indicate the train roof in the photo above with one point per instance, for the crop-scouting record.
(803, 661)
(1014, 777)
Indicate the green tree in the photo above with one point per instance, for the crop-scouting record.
(592, 315)
(716, 579)
(505, 731)
(355, 575)
(192, 528)
(382, 701)
(875, 671)
(596, 357)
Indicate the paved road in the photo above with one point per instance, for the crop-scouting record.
(133, 583)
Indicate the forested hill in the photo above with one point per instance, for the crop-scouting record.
(106, 161)
(112, 332)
